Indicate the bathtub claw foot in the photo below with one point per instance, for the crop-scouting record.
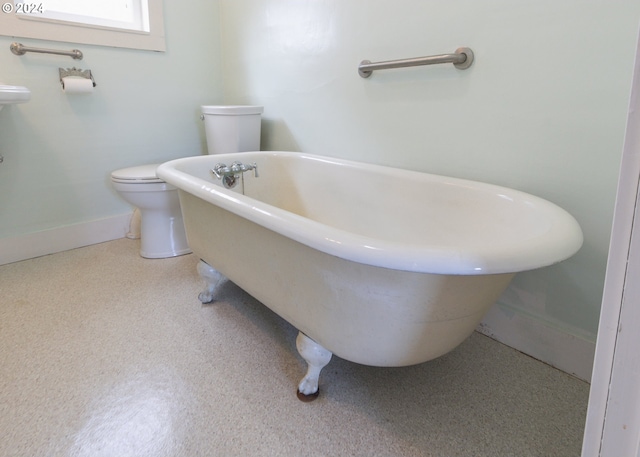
(317, 358)
(211, 278)
(307, 398)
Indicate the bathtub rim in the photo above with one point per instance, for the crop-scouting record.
(565, 239)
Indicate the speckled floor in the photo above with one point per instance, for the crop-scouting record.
(103, 353)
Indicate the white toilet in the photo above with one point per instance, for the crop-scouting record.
(228, 129)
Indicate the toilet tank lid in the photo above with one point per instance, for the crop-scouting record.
(232, 110)
(146, 173)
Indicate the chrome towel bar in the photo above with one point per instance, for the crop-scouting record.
(19, 49)
(461, 59)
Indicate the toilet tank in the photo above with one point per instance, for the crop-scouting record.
(232, 128)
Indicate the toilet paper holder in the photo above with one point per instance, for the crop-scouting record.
(75, 72)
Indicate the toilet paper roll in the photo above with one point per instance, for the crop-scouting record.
(77, 85)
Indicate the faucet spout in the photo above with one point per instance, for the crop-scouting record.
(239, 167)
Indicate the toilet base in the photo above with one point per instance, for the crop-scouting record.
(134, 226)
(162, 235)
(157, 219)
(164, 255)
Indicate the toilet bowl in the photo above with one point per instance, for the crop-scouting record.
(228, 129)
(161, 228)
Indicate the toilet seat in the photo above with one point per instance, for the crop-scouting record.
(143, 174)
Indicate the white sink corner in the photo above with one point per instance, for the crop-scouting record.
(13, 94)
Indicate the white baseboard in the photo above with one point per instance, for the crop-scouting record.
(534, 337)
(36, 244)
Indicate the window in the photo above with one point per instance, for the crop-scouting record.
(134, 24)
(119, 14)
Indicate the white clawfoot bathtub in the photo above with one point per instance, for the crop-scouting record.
(380, 266)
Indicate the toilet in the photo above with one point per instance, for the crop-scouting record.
(228, 129)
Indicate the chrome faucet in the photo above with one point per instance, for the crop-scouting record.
(229, 175)
(241, 167)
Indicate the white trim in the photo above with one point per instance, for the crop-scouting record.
(22, 247)
(613, 425)
(621, 431)
(565, 351)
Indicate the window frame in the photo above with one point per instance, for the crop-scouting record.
(25, 26)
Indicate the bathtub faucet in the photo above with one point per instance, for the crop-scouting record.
(230, 175)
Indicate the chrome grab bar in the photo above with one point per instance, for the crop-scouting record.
(19, 49)
(461, 59)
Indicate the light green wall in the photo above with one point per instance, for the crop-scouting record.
(543, 109)
(60, 149)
